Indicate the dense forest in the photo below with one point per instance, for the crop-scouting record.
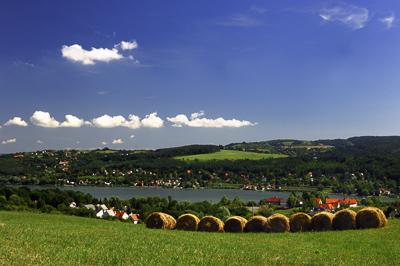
(362, 165)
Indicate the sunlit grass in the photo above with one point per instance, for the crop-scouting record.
(31, 239)
(230, 155)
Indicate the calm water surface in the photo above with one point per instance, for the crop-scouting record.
(193, 195)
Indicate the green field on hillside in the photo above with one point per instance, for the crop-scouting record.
(230, 155)
(43, 239)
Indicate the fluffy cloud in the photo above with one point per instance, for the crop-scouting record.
(197, 120)
(133, 121)
(127, 45)
(78, 54)
(352, 16)
(152, 121)
(103, 143)
(44, 119)
(107, 121)
(117, 141)
(16, 121)
(9, 141)
(73, 121)
(388, 21)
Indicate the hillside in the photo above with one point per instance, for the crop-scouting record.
(361, 165)
(230, 155)
(66, 240)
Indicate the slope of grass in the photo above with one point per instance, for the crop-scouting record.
(230, 155)
(42, 239)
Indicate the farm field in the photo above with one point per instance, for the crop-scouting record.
(46, 239)
(230, 155)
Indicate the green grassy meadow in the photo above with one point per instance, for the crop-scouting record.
(45, 239)
(230, 155)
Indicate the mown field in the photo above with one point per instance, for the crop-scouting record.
(230, 155)
(44, 239)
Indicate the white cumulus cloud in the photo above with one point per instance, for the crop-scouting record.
(352, 16)
(78, 54)
(9, 141)
(127, 45)
(16, 121)
(133, 121)
(73, 121)
(117, 141)
(106, 121)
(388, 21)
(44, 119)
(197, 120)
(152, 120)
(103, 143)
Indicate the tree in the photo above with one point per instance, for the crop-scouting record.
(292, 200)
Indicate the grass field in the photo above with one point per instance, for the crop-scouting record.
(230, 155)
(32, 239)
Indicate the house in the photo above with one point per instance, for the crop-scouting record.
(335, 202)
(350, 202)
(105, 214)
(122, 215)
(134, 218)
(275, 201)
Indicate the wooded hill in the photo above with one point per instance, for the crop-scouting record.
(363, 165)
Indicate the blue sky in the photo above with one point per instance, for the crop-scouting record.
(134, 72)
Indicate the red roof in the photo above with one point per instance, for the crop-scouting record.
(273, 200)
(135, 217)
(348, 201)
(331, 201)
(119, 214)
(318, 201)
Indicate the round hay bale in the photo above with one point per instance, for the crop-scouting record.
(344, 220)
(187, 222)
(382, 216)
(370, 217)
(322, 221)
(235, 224)
(300, 222)
(210, 224)
(160, 220)
(277, 223)
(255, 224)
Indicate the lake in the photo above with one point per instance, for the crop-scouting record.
(194, 195)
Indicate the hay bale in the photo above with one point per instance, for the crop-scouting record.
(382, 216)
(210, 224)
(255, 224)
(344, 220)
(370, 217)
(235, 224)
(187, 222)
(322, 221)
(160, 220)
(277, 223)
(300, 222)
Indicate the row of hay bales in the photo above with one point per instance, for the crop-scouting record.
(347, 219)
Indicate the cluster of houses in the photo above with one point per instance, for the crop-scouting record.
(331, 204)
(103, 212)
